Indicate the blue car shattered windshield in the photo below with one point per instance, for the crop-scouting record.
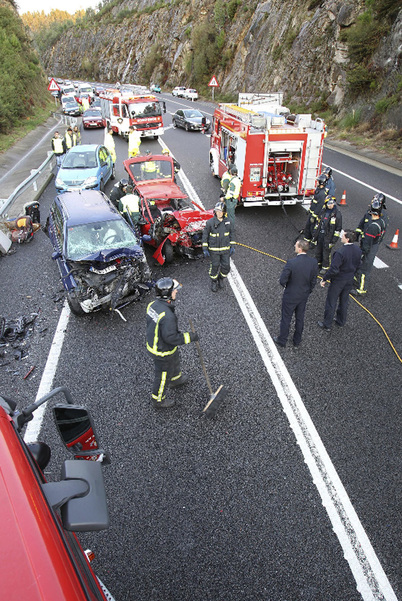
(85, 240)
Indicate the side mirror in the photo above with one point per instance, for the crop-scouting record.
(77, 431)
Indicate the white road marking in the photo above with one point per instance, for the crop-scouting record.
(379, 264)
(46, 384)
(371, 580)
(364, 184)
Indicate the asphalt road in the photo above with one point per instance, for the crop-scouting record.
(239, 508)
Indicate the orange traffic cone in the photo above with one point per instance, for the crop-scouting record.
(343, 200)
(394, 243)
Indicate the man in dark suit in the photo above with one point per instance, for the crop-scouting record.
(299, 276)
(345, 262)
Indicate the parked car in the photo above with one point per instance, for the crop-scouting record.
(71, 106)
(87, 166)
(190, 94)
(169, 221)
(99, 256)
(42, 556)
(178, 91)
(191, 120)
(93, 118)
(155, 88)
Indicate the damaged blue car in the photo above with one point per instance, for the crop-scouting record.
(100, 257)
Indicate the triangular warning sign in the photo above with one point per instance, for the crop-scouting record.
(53, 86)
(213, 83)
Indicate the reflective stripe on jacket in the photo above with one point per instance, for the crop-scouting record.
(163, 336)
(58, 145)
(217, 235)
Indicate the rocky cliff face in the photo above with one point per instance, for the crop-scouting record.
(293, 46)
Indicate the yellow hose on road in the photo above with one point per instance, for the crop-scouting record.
(261, 252)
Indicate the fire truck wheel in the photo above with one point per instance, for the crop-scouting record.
(167, 251)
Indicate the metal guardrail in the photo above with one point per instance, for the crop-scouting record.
(32, 187)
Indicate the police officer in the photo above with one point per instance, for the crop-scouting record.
(58, 147)
(218, 244)
(344, 265)
(327, 231)
(370, 244)
(118, 191)
(330, 184)
(231, 197)
(315, 207)
(163, 339)
(70, 138)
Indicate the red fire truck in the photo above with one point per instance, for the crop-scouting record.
(142, 110)
(278, 155)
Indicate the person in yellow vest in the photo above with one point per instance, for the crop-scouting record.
(129, 207)
(150, 169)
(58, 147)
(109, 143)
(225, 179)
(70, 138)
(134, 142)
(85, 103)
(232, 195)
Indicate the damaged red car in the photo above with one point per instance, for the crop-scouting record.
(168, 220)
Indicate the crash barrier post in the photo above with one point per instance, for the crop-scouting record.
(30, 189)
(394, 243)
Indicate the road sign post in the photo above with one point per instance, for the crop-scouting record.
(213, 84)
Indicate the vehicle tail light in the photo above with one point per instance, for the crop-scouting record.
(90, 555)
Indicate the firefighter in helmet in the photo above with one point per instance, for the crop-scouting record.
(327, 231)
(372, 236)
(218, 244)
(163, 339)
(330, 184)
(118, 191)
(366, 219)
(315, 207)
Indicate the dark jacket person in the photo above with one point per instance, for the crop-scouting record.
(298, 277)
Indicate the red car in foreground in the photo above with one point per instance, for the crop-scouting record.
(42, 559)
(92, 118)
(169, 221)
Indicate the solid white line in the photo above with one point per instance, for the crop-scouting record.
(33, 429)
(372, 583)
(371, 580)
(364, 184)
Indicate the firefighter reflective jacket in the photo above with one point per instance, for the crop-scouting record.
(330, 224)
(217, 235)
(318, 202)
(225, 181)
(163, 336)
(373, 235)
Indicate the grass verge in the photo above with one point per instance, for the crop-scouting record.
(40, 115)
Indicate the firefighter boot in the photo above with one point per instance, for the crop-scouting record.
(164, 404)
(214, 285)
(221, 281)
(179, 382)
